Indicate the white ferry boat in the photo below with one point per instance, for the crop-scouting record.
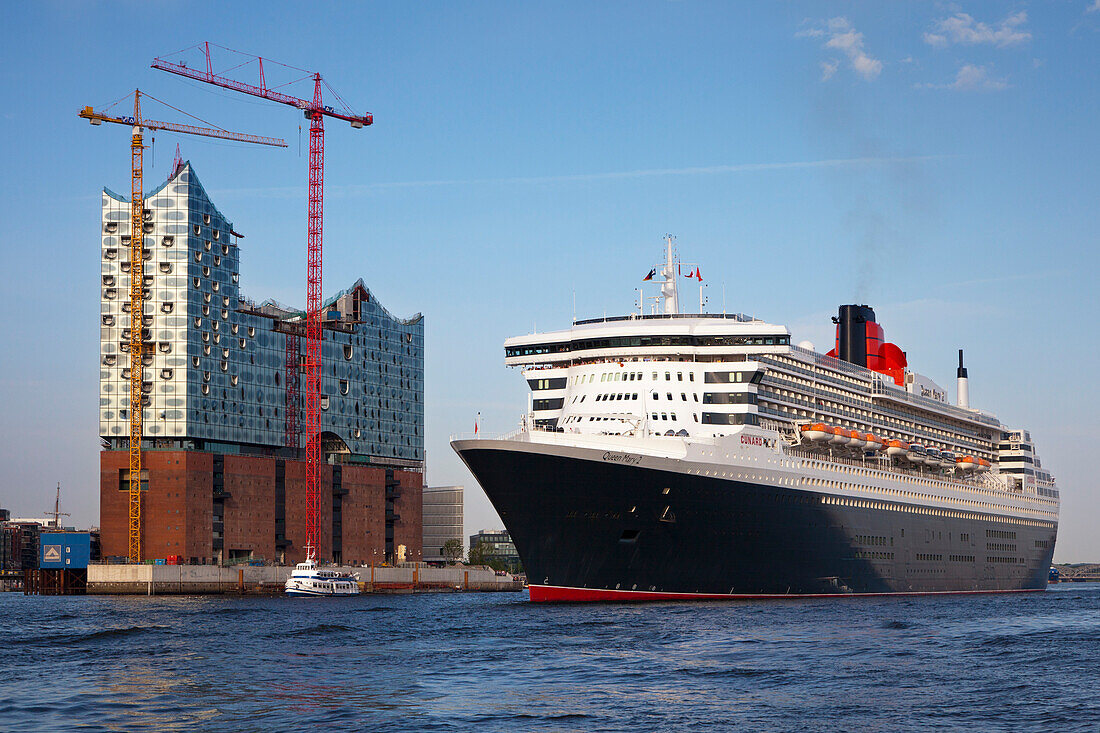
(676, 455)
(309, 579)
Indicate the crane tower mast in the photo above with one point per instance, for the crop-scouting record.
(138, 331)
(315, 111)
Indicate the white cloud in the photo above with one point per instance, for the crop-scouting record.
(841, 36)
(971, 78)
(963, 29)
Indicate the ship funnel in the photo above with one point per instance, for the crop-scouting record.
(964, 384)
(852, 333)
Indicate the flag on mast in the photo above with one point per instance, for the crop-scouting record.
(650, 275)
(476, 421)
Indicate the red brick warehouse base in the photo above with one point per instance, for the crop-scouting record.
(261, 503)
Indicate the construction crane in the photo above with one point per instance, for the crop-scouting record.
(137, 278)
(315, 111)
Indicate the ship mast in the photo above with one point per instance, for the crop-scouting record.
(669, 291)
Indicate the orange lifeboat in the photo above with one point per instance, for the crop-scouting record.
(840, 436)
(897, 448)
(855, 440)
(872, 442)
(983, 465)
(816, 433)
(966, 463)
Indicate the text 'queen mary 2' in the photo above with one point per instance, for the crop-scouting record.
(675, 456)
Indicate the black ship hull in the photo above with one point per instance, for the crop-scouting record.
(587, 529)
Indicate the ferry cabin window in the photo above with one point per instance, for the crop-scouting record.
(654, 376)
(679, 376)
(656, 396)
(668, 376)
(683, 397)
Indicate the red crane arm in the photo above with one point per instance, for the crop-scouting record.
(261, 91)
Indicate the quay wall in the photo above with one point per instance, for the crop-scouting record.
(212, 579)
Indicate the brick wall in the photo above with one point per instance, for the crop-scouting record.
(178, 508)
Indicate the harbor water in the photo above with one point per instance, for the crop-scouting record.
(492, 661)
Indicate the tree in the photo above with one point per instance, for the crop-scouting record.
(478, 554)
(452, 550)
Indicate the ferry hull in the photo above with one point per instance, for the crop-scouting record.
(587, 530)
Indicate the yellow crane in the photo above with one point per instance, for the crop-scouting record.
(137, 279)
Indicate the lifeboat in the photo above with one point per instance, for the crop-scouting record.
(983, 465)
(933, 457)
(872, 442)
(840, 436)
(966, 463)
(816, 433)
(916, 453)
(855, 440)
(897, 448)
(947, 458)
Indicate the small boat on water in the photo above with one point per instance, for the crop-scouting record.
(309, 579)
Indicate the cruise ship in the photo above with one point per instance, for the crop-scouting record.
(671, 455)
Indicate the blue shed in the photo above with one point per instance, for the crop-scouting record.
(64, 550)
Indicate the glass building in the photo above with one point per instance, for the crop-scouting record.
(215, 362)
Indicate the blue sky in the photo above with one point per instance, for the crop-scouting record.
(934, 160)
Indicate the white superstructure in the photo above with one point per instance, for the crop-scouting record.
(729, 396)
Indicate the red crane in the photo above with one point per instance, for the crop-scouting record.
(315, 111)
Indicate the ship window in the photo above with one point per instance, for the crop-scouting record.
(673, 416)
(634, 396)
(683, 397)
(655, 376)
(664, 416)
(691, 376)
(654, 416)
(668, 376)
(669, 395)
(656, 396)
(679, 376)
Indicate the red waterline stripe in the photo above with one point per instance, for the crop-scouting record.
(562, 594)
